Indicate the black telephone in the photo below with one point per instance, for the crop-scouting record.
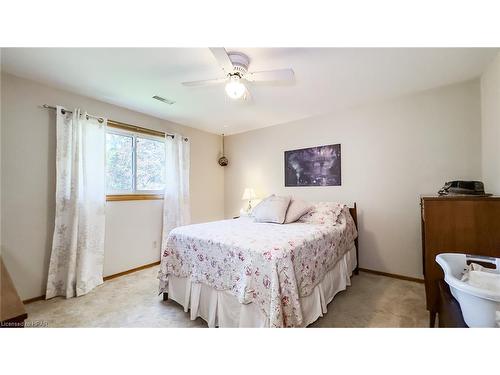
(463, 188)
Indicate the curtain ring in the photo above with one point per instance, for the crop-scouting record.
(63, 111)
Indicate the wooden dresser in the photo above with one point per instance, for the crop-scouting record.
(456, 224)
(12, 312)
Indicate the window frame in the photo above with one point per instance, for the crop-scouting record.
(134, 194)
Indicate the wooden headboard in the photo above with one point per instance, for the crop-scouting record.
(354, 214)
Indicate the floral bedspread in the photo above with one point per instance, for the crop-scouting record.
(269, 264)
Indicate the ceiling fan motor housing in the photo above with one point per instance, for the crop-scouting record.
(240, 62)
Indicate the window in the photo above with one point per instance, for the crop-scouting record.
(150, 162)
(135, 165)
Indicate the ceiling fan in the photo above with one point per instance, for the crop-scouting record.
(235, 68)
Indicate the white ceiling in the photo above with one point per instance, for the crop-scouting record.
(327, 79)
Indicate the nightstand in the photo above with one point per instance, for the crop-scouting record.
(242, 214)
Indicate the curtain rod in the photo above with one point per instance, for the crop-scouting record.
(120, 125)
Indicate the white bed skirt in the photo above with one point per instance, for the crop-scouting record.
(222, 309)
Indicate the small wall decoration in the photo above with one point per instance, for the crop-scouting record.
(314, 166)
(223, 160)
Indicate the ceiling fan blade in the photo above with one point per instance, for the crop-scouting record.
(205, 82)
(223, 59)
(281, 75)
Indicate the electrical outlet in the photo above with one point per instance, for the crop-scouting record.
(155, 244)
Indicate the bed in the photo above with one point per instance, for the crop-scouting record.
(240, 273)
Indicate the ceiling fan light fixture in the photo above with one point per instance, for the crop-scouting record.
(234, 88)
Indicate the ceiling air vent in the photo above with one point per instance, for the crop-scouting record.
(169, 102)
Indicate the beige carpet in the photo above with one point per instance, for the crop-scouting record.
(132, 301)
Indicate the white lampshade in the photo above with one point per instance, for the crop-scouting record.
(234, 88)
(248, 194)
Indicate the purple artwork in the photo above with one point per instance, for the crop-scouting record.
(314, 166)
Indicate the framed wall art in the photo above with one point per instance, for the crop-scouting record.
(313, 166)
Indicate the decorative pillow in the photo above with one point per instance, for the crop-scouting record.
(323, 213)
(259, 205)
(272, 210)
(296, 210)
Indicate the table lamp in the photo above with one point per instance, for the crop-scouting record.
(248, 195)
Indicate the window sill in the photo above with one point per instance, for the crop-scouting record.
(133, 197)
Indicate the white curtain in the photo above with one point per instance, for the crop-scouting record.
(76, 262)
(176, 207)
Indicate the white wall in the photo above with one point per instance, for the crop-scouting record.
(490, 113)
(391, 153)
(133, 234)
(28, 185)
(0, 151)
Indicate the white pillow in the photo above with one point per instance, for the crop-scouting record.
(296, 210)
(272, 210)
